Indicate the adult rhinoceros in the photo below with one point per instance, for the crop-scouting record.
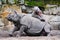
(28, 24)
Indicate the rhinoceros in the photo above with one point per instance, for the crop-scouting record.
(28, 24)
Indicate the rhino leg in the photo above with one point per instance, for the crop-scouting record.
(54, 33)
(14, 29)
(21, 32)
(16, 34)
(47, 28)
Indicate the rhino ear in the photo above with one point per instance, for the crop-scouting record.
(15, 12)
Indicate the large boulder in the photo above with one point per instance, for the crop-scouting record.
(55, 21)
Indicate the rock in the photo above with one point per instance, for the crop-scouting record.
(54, 33)
(1, 23)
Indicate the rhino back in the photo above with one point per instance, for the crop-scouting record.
(34, 24)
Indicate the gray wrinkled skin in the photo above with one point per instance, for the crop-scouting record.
(15, 18)
(27, 23)
(48, 28)
(34, 25)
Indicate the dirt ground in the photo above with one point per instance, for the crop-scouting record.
(31, 38)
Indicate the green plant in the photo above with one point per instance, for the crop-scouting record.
(34, 3)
